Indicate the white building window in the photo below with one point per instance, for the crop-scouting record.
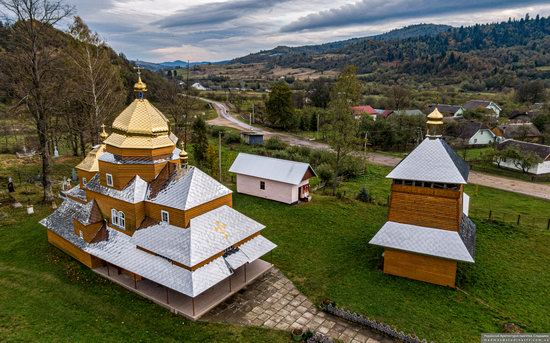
(164, 216)
(118, 219)
(109, 179)
(262, 185)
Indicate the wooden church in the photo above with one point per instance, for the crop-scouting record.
(428, 230)
(147, 220)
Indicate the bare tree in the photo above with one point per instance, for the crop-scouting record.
(99, 86)
(181, 107)
(32, 65)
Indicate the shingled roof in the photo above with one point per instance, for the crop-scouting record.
(445, 109)
(519, 130)
(543, 151)
(432, 161)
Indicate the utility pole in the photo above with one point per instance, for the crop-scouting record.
(365, 152)
(317, 133)
(252, 113)
(187, 82)
(220, 154)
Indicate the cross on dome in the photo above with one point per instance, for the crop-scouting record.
(139, 87)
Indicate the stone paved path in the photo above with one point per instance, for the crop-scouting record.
(273, 301)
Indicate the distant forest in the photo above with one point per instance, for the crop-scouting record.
(489, 56)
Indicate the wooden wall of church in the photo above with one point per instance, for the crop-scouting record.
(420, 267)
(181, 218)
(66, 246)
(124, 173)
(134, 213)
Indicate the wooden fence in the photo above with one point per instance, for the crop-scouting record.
(512, 218)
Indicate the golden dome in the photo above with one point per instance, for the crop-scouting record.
(103, 135)
(435, 118)
(140, 86)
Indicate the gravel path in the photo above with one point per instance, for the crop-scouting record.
(512, 185)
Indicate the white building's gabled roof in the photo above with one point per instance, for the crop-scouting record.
(270, 168)
(207, 235)
(432, 161)
(422, 240)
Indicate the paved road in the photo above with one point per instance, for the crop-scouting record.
(517, 186)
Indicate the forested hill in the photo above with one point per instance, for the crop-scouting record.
(516, 48)
(418, 30)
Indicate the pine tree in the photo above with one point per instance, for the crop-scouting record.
(200, 141)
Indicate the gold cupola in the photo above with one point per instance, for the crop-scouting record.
(103, 135)
(140, 126)
(434, 123)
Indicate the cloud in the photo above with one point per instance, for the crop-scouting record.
(376, 11)
(215, 13)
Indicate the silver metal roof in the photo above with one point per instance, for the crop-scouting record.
(115, 159)
(257, 247)
(120, 251)
(270, 168)
(76, 192)
(422, 240)
(187, 190)
(61, 221)
(432, 161)
(134, 192)
(208, 234)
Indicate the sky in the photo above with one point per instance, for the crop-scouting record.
(216, 30)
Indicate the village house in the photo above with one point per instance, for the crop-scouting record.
(490, 106)
(521, 116)
(428, 230)
(360, 111)
(476, 134)
(448, 110)
(145, 219)
(272, 178)
(543, 151)
(527, 132)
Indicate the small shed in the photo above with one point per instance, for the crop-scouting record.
(272, 178)
(252, 137)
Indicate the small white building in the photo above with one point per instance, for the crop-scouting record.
(543, 151)
(272, 178)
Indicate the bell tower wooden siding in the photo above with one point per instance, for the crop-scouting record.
(135, 152)
(124, 173)
(429, 207)
(425, 268)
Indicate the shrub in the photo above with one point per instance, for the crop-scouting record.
(274, 143)
(231, 138)
(364, 195)
(352, 168)
(325, 173)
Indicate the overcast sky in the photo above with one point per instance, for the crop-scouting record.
(214, 30)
